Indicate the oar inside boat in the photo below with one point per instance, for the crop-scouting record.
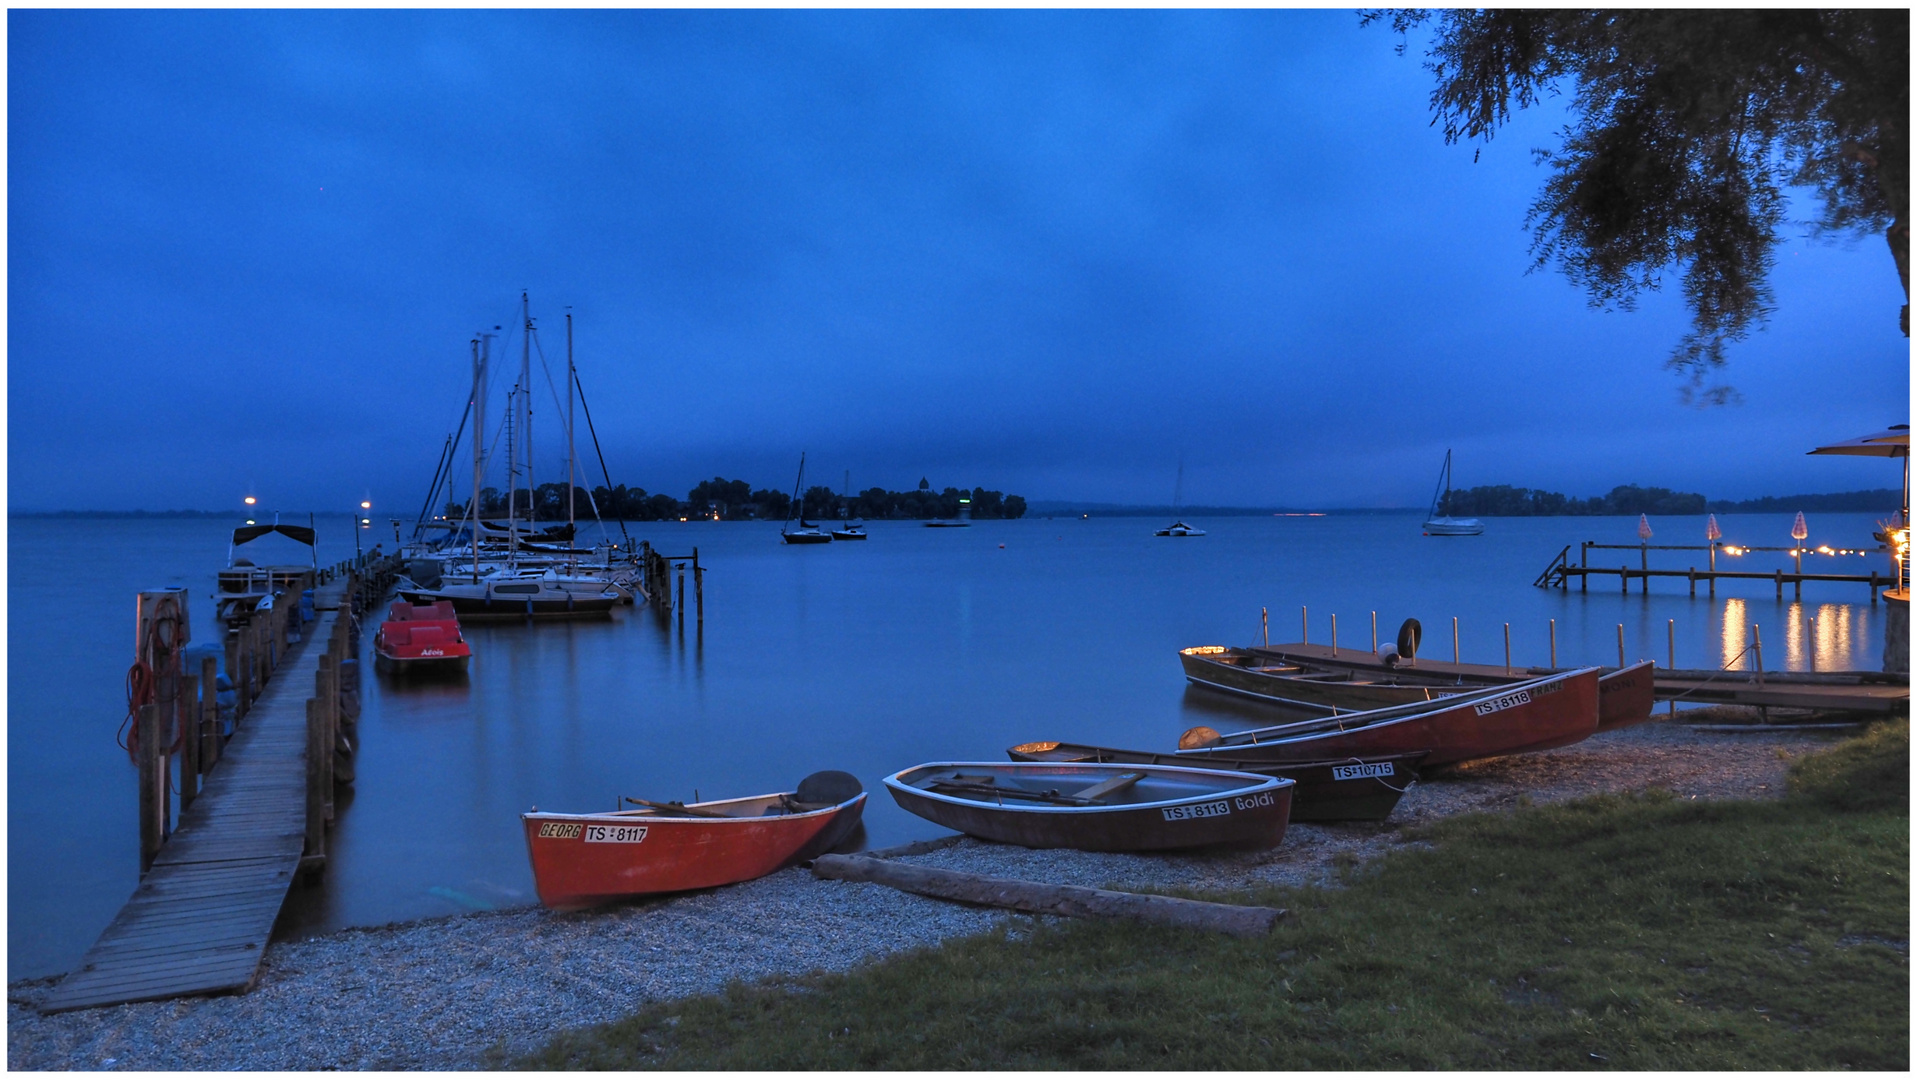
(674, 808)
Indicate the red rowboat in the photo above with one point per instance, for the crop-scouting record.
(580, 860)
(1540, 714)
(1333, 686)
(420, 637)
(1626, 695)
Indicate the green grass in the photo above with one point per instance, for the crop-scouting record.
(1625, 933)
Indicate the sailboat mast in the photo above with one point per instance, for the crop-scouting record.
(570, 522)
(479, 441)
(525, 432)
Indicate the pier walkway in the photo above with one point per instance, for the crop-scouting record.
(199, 921)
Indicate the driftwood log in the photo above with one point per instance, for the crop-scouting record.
(1042, 898)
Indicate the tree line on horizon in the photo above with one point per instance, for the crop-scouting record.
(736, 500)
(1504, 500)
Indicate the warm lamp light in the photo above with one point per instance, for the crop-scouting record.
(250, 500)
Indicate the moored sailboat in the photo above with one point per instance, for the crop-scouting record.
(1436, 524)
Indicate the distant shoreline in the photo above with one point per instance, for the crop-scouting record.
(1770, 504)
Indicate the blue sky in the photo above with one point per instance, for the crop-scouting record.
(1045, 252)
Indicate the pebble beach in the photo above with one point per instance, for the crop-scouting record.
(474, 991)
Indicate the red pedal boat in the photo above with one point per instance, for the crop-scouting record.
(581, 860)
(1540, 714)
(419, 638)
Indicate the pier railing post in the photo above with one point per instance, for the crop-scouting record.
(152, 787)
(187, 721)
(209, 726)
(327, 684)
(698, 586)
(315, 803)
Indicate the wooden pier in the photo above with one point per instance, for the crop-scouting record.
(1841, 691)
(254, 807)
(1560, 572)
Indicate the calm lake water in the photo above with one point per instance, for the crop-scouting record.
(919, 644)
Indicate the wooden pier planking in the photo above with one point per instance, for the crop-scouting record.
(199, 921)
(1863, 691)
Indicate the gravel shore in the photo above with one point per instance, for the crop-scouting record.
(459, 992)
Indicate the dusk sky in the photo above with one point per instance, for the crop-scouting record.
(1043, 252)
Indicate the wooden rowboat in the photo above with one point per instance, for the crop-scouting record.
(1540, 714)
(1096, 807)
(1352, 789)
(580, 860)
(1327, 687)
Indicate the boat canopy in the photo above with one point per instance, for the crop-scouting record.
(247, 533)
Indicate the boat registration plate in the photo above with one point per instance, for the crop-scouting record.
(1507, 701)
(615, 834)
(1199, 810)
(1359, 772)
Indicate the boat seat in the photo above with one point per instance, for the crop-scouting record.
(426, 634)
(397, 633)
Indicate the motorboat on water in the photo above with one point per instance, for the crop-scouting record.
(1179, 528)
(245, 587)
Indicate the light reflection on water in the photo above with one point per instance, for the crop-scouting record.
(918, 644)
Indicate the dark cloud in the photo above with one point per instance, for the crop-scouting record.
(1041, 251)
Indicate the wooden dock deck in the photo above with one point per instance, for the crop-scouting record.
(199, 921)
(253, 813)
(1846, 691)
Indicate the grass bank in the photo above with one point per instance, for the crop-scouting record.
(1617, 932)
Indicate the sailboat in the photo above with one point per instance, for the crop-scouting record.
(1178, 526)
(803, 532)
(854, 529)
(1448, 525)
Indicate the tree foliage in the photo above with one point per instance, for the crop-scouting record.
(1503, 500)
(1687, 128)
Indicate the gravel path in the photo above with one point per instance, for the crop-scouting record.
(457, 992)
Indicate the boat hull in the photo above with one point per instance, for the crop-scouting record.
(504, 607)
(806, 538)
(1353, 789)
(1202, 807)
(1539, 715)
(419, 665)
(1238, 671)
(848, 535)
(584, 860)
(1454, 527)
(1625, 696)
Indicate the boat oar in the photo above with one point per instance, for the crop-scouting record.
(676, 808)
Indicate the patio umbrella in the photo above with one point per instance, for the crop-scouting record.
(1893, 442)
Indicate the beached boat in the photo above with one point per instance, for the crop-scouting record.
(1541, 714)
(1351, 789)
(1625, 696)
(1097, 807)
(580, 860)
(420, 639)
(1446, 525)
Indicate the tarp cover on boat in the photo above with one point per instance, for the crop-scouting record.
(246, 533)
